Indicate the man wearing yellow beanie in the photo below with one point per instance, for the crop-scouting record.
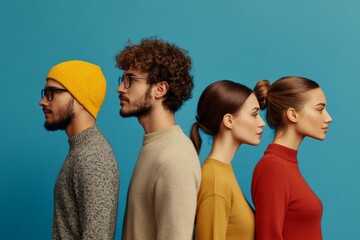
(87, 187)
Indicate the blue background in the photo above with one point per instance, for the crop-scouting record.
(230, 39)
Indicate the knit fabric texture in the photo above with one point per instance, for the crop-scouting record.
(162, 197)
(286, 207)
(223, 213)
(86, 190)
(84, 80)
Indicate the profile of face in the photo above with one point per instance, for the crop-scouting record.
(313, 120)
(247, 124)
(58, 106)
(135, 94)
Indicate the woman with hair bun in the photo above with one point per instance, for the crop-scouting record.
(285, 206)
(229, 112)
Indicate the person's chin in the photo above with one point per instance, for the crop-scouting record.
(320, 137)
(125, 114)
(254, 143)
(50, 127)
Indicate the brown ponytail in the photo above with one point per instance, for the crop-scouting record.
(219, 98)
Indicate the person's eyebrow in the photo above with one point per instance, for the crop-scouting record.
(129, 74)
(255, 109)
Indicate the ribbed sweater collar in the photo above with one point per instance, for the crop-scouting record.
(286, 153)
(155, 135)
(82, 136)
(219, 163)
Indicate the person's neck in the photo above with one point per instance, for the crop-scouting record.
(288, 137)
(79, 124)
(158, 119)
(223, 149)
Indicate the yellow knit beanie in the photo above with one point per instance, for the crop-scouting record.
(85, 81)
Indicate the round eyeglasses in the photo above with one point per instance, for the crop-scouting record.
(128, 79)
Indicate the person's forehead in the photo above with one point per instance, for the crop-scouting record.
(53, 83)
(317, 95)
(251, 102)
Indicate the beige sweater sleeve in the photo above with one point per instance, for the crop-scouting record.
(175, 201)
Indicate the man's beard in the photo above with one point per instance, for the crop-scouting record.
(65, 118)
(142, 108)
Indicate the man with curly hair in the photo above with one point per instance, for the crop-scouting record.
(162, 195)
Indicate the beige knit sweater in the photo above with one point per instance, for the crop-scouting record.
(163, 190)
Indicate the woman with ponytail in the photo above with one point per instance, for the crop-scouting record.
(286, 207)
(229, 112)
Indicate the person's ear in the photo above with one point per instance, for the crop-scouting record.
(292, 115)
(228, 121)
(161, 89)
(77, 106)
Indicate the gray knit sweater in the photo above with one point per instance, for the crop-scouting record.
(86, 190)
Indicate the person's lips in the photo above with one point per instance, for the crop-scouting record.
(46, 111)
(123, 99)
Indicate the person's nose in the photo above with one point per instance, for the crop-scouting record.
(121, 88)
(262, 123)
(328, 118)
(43, 102)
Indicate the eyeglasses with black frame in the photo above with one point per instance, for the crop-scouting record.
(49, 92)
(128, 79)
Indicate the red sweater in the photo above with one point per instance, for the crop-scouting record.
(286, 207)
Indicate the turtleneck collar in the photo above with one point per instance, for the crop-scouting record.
(286, 153)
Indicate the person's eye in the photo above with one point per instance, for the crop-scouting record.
(131, 78)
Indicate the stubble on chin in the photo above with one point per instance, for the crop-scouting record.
(65, 118)
(141, 109)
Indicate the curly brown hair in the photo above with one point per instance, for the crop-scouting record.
(163, 62)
